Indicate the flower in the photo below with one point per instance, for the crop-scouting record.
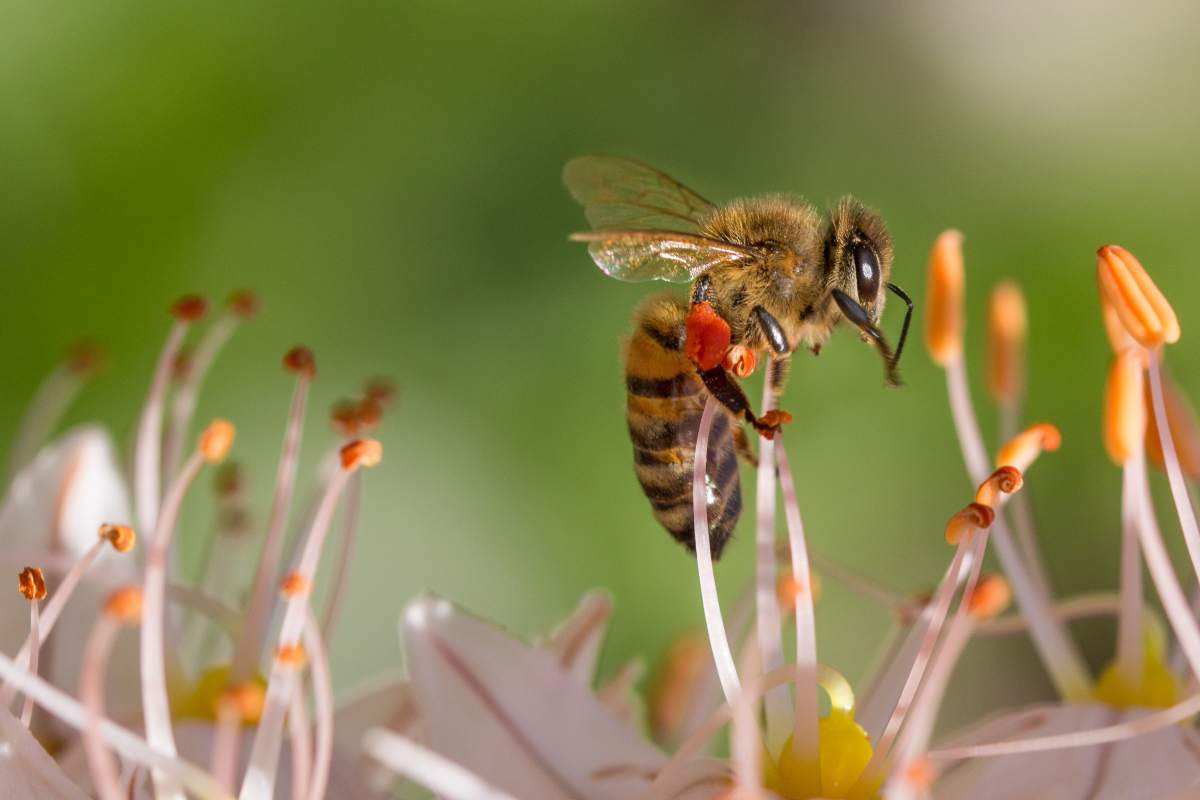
(68, 505)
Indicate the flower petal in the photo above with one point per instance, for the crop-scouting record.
(509, 713)
(578, 639)
(27, 772)
(1152, 765)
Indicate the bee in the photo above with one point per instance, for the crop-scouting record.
(768, 275)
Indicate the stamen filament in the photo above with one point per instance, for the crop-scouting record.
(1130, 657)
(806, 743)
(349, 534)
(300, 739)
(35, 646)
(49, 403)
(768, 623)
(1183, 504)
(440, 775)
(91, 692)
(709, 599)
(1082, 607)
(148, 443)
(318, 659)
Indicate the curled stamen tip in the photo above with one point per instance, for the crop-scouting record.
(919, 774)
(741, 361)
(963, 524)
(295, 585)
(301, 361)
(85, 359)
(32, 584)
(1026, 446)
(1124, 406)
(1137, 301)
(291, 655)
(216, 440)
(248, 698)
(189, 308)
(1005, 480)
(992, 595)
(243, 304)
(125, 605)
(943, 316)
(361, 453)
(121, 537)
(1007, 325)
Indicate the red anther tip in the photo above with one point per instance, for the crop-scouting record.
(243, 303)
(708, 336)
(190, 308)
(300, 360)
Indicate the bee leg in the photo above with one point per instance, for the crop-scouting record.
(741, 444)
(859, 317)
(730, 395)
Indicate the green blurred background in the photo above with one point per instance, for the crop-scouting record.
(386, 176)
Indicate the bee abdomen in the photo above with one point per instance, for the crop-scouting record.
(664, 402)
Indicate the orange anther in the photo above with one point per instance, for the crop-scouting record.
(216, 440)
(125, 605)
(1139, 304)
(992, 595)
(291, 655)
(32, 584)
(361, 453)
(1007, 326)
(295, 585)
(944, 304)
(964, 524)
(1005, 480)
(121, 537)
(300, 360)
(243, 303)
(740, 360)
(1125, 406)
(1026, 446)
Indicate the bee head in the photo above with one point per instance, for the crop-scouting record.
(858, 254)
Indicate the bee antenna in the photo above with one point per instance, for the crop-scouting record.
(896, 290)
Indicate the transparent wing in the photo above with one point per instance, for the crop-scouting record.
(623, 194)
(660, 255)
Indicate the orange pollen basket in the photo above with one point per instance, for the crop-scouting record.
(707, 336)
(32, 584)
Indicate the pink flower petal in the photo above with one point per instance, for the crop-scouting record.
(578, 639)
(27, 772)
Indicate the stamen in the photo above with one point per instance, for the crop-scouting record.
(1007, 326)
(122, 608)
(300, 738)
(439, 775)
(50, 402)
(805, 733)
(295, 585)
(242, 305)
(767, 616)
(1024, 449)
(1184, 428)
(213, 445)
(1124, 433)
(1125, 407)
(1118, 336)
(1082, 607)
(992, 596)
(964, 523)
(1002, 483)
(121, 537)
(943, 308)
(348, 538)
(709, 599)
(1139, 304)
(861, 585)
(259, 783)
(1183, 503)
(147, 446)
(322, 706)
(32, 585)
(300, 361)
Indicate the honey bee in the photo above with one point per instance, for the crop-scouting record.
(769, 274)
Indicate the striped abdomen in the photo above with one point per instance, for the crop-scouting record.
(665, 399)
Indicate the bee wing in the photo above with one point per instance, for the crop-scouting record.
(660, 255)
(620, 193)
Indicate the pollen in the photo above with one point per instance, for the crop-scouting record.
(243, 304)
(300, 360)
(707, 337)
(291, 655)
(944, 315)
(121, 537)
(32, 584)
(361, 453)
(1139, 304)
(125, 605)
(741, 361)
(991, 597)
(1007, 326)
(216, 440)
(1181, 422)
(1024, 448)
(974, 517)
(295, 585)
(1004, 480)
(190, 308)
(1125, 406)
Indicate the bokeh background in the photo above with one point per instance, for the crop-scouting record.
(386, 176)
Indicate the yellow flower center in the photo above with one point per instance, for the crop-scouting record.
(1159, 687)
(203, 700)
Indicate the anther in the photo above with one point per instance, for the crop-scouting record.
(361, 453)
(788, 589)
(1139, 304)
(380, 390)
(85, 359)
(963, 524)
(1025, 447)
(295, 585)
(345, 418)
(919, 775)
(370, 412)
(1118, 337)
(121, 537)
(944, 307)
(1007, 325)
(1125, 406)
(300, 360)
(248, 698)
(243, 304)
(1005, 480)
(291, 655)
(991, 597)
(125, 605)
(190, 308)
(229, 479)
(32, 584)
(216, 440)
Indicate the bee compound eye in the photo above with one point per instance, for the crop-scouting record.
(866, 269)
